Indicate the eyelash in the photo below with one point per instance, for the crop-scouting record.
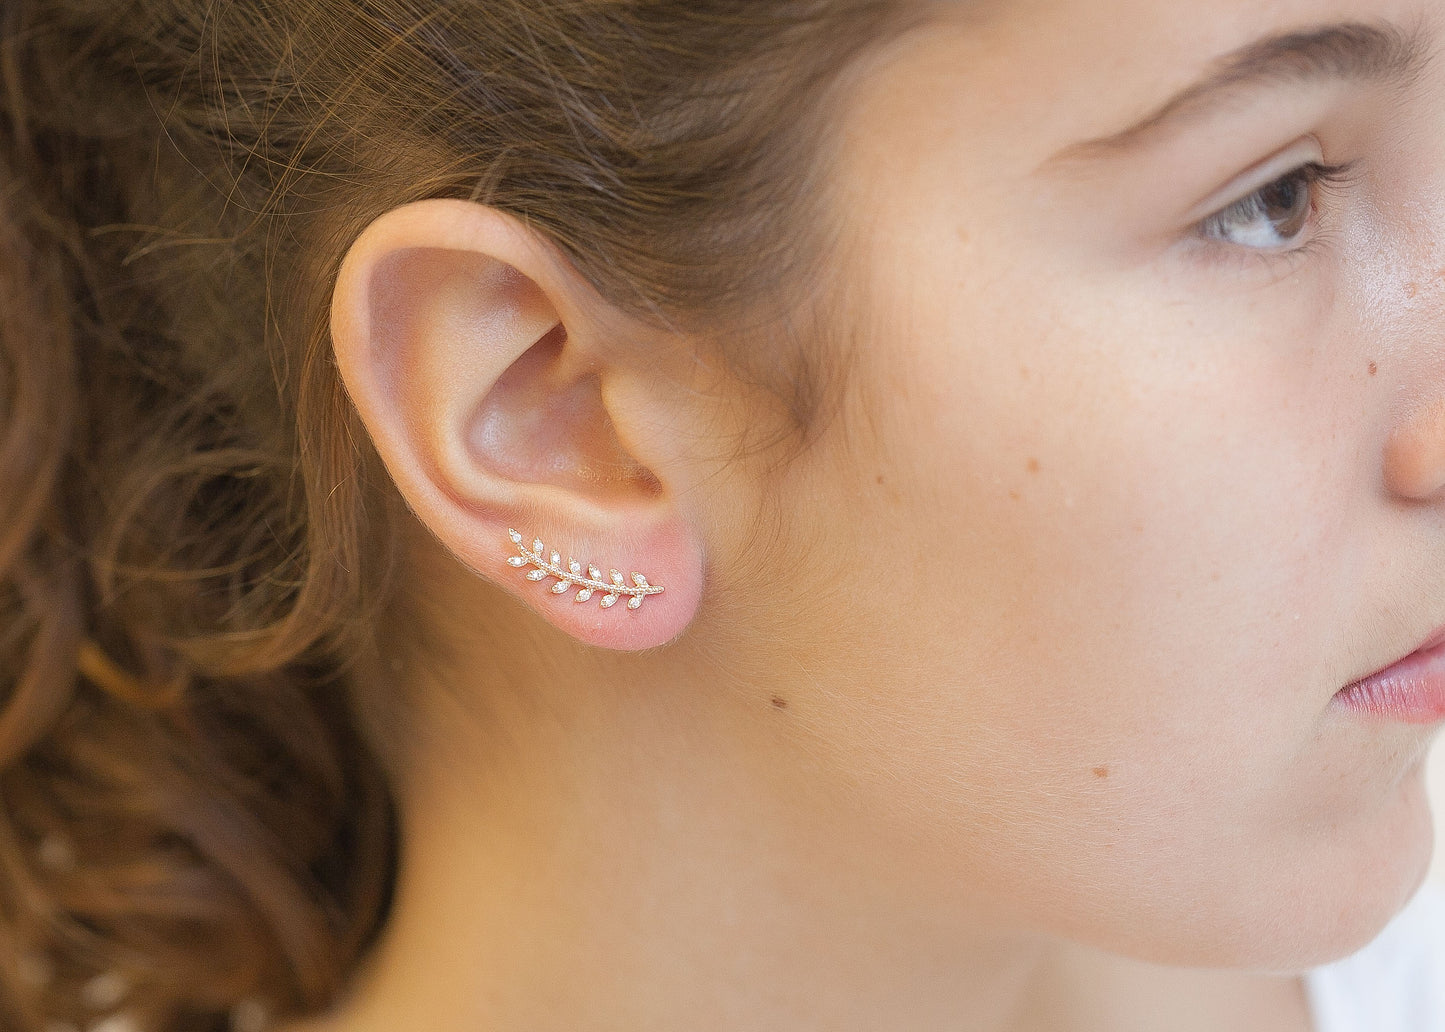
(1317, 178)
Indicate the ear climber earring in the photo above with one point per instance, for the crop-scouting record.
(572, 576)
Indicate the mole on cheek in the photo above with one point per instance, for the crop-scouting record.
(779, 702)
(1033, 465)
(1373, 368)
(1101, 772)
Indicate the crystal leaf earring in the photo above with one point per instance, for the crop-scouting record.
(572, 576)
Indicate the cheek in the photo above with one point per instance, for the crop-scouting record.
(1107, 583)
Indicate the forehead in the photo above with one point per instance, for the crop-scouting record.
(979, 104)
(1076, 69)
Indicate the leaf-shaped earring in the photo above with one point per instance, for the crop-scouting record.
(570, 575)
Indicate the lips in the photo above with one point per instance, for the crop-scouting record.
(1411, 690)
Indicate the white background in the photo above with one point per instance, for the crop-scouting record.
(1437, 796)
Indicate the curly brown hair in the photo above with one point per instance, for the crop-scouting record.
(197, 541)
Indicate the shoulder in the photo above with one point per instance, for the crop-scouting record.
(1394, 984)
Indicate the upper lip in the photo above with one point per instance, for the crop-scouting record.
(1435, 639)
(1438, 638)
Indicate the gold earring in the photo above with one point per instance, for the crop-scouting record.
(572, 575)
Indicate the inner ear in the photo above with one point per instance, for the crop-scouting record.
(439, 318)
(544, 421)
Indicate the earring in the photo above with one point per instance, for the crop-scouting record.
(572, 575)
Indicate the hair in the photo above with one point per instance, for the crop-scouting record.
(196, 538)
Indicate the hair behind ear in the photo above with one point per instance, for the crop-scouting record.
(231, 838)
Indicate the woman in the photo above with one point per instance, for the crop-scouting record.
(644, 514)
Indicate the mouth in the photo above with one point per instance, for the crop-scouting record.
(1411, 690)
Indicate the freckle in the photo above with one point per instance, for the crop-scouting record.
(1101, 772)
(1373, 368)
(1033, 466)
(1411, 289)
(880, 478)
(779, 702)
(1014, 495)
(1024, 372)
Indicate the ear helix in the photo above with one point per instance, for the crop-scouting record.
(572, 576)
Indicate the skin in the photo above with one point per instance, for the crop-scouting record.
(1021, 714)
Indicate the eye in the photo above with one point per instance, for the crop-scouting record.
(1275, 217)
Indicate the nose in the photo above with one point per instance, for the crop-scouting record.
(1415, 451)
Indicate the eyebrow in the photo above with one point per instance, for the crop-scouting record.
(1350, 51)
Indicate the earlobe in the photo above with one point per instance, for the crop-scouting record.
(469, 353)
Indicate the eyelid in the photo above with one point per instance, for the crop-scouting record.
(1219, 253)
(1301, 152)
(1316, 178)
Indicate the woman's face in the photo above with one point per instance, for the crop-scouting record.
(1139, 472)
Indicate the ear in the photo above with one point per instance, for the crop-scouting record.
(490, 378)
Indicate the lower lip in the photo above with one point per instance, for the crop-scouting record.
(1411, 692)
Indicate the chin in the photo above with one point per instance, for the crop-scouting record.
(1302, 904)
(1380, 870)
(1347, 888)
